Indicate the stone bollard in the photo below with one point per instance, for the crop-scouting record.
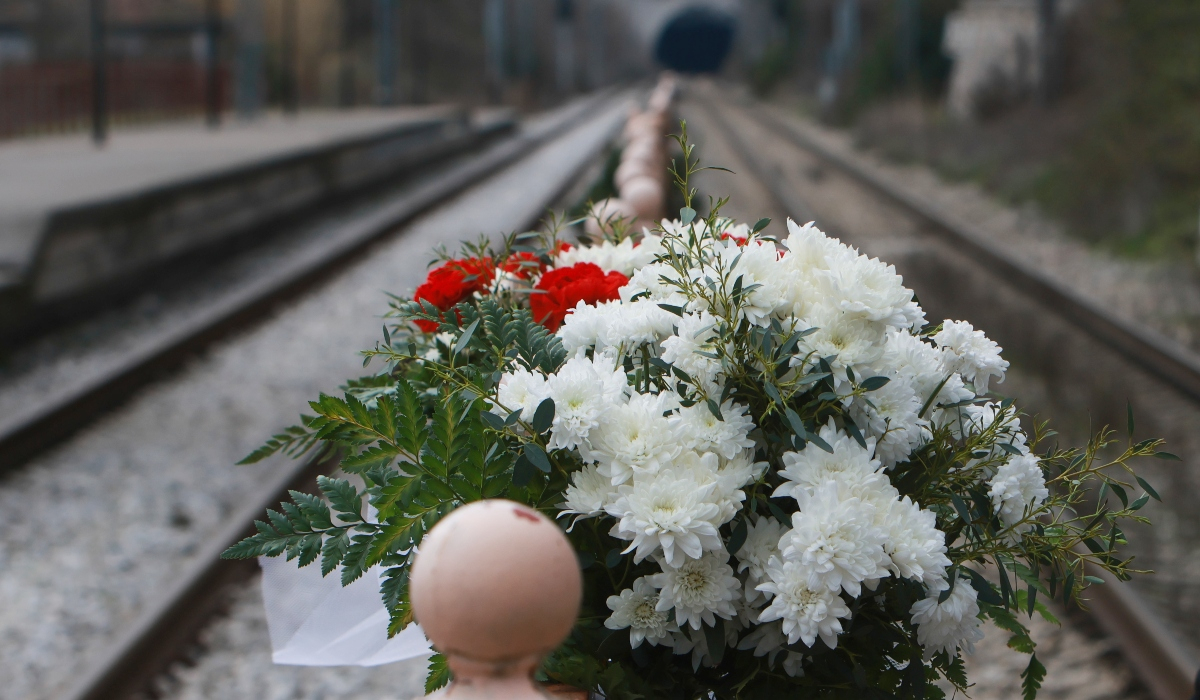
(495, 586)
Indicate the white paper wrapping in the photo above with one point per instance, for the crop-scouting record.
(315, 621)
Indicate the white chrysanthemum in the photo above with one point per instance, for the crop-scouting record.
(973, 420)
(757, 264)
(726, 481)
(740, 471)
(807, 612)
(834, 541)
(654, 280)
(522, 390)
(762, 543)
(970, 353)
(636, 609)
(669, 512)
(808, 253)
(704, 432)
(850, 465)
(920, 364)
(846, 340)
(589, 493)
(635, 438)
(584, 391)
(585, 325)
(623, 257)
(948, 626)
(915, 548)
(890, 415)
(699, 590)
(694, 335)
(870, 289)
(809, 249)
(793, 664)
(766, 639)
(638, 322)
(688, 640)
(1018, 485)
(615, 324)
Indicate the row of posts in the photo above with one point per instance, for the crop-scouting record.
(98, 16)
(251, 54)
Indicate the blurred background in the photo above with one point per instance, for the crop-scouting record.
(1084, 106)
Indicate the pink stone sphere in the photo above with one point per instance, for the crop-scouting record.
(646, 196)
(495, 581)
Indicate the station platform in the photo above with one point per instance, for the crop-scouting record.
(80, 223)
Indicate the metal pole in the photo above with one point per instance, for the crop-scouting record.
(289, 47)
(385, 52)
(493, 39)
(248, 92)
(347, 89)
(212, 91)
(564, 47)
(99, 75)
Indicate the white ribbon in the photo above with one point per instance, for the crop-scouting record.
(315, 621)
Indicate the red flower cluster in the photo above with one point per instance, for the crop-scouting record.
(522, 265)
(558, 291)
(452, 282)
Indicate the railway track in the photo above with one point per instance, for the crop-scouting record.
(1162, 662)
(168, 624)
(62, 411)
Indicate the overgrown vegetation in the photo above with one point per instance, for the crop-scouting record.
(1116, 158)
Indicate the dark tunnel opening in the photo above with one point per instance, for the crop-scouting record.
(697, 40)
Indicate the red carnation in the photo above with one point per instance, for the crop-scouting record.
(740, 240)
(452, 282)
(522, 265)
(565, 287)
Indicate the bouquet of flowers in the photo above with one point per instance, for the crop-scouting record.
(777, 474)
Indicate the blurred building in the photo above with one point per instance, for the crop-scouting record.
(303, 53)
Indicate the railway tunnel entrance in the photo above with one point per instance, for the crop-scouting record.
(697, 39)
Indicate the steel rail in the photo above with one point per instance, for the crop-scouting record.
(168, 625)
(1160, 660)
(46, 422)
